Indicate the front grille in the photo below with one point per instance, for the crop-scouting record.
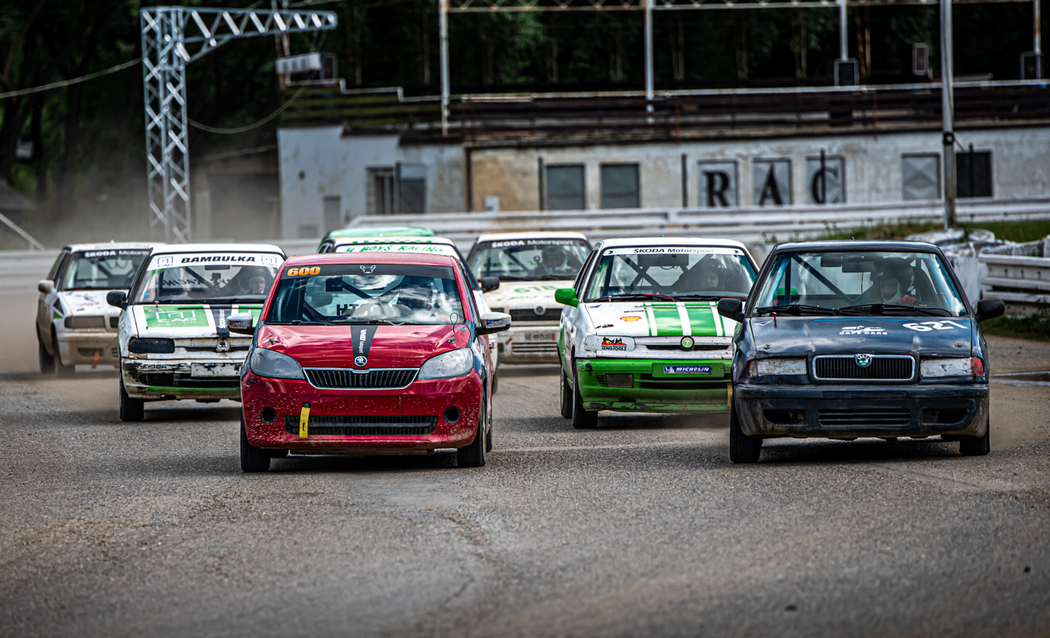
(518, 315)
(357, 425)
(348, 379)
(686, 382)
(86, 323)
(534, 347)
(881, 368)
(677, 346)
(847, 418)
(185, 381)
(215, 347)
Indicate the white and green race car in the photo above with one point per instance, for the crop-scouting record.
(640, 331)
(173, 339)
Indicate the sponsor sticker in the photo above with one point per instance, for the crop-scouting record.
(115, 253)
(533, 242)
(161, 317)
(687, 369)
(868, 331)
(630, 318)
(219, 259)
(614, 343)
(674, 250)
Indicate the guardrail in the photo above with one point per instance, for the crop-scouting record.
(1023, 283)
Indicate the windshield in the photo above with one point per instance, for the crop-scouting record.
(208, 278)
(860, 283)
(672, 273)
(102, 269)
(530, 259)
(352, 293)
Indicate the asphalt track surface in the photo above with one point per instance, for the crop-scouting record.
(640, 528)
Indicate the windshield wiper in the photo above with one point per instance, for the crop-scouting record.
(634, 296)
(881, 308)
(700, 297)
(365, 321)
(798, 310)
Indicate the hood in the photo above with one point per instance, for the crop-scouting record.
(660, 319)
(87, 302)
(525, 294)
(948, 336)
(382, 346)
(186, 321)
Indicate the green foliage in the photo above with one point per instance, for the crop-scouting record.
(1032, 327)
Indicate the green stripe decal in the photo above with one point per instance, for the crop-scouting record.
(702, 320)
(668, 321)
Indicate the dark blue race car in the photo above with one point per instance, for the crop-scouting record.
(852, 339)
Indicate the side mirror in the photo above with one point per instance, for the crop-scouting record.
(731, 309)
(989, 309)
(117, 299)
(488, 283)
(241, 323)
(45, 286)
(493, 322)
(566, 296)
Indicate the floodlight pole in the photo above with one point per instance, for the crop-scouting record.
(172, 37)
(947, 113)
(443, 36)
(843, 31)
(648, 5)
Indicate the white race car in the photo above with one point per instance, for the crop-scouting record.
(425, 246)
(73, 322)
(173, 339)
(530, 267)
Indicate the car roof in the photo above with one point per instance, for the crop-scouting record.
(346, 241)
(627, 242)
(217, 247)
(112, 245)
(380, 231)
(849, 244)
(534, 234)
(420, 259)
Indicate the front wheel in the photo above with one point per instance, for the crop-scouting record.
(582, 419)
(47, 361)
(253, 459)
(977, 445)
(742, 448)
(62, 371)
(566, 397)
(473, 455)
(130, 409)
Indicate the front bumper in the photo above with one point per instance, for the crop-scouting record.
(842, 411)
(160, 379)
(529, 344)
(82, 346)
(654, 388)
(362, 420)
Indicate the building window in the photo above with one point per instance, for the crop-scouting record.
(771, 182)
(973, 174)
(620, 186)
(825, 179)
(411, 189)
(921, 176)
(381, 190)
(718, 185)
(565, 188)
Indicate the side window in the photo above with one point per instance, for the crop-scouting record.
(470, 296)
(58, 262)
(582, 275)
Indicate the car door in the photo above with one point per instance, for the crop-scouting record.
(571, 315)
(43, 309)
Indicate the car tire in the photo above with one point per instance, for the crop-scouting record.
(977, 445)
(47, 361)
(62, 371)
(495, 379)
(742, 448)
(582, 419)
(131, 410)
(253, 459)
(473, 455)
(566, 405)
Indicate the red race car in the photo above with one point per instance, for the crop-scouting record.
(367, 352)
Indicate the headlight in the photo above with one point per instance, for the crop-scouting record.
(454, 363)
(932, 368)
(274, 365)
(151, 346)
(777, 367)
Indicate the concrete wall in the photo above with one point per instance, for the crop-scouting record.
(320, 162)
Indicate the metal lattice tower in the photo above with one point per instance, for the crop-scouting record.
(172, 37)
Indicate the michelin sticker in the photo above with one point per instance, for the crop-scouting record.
(868, 331)
(687, 369)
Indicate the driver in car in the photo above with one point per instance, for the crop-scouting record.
(892, 281)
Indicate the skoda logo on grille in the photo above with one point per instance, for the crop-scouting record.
(863, 360)
(224, 346)
(539, 310)
(367, 269)
(360, 361)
